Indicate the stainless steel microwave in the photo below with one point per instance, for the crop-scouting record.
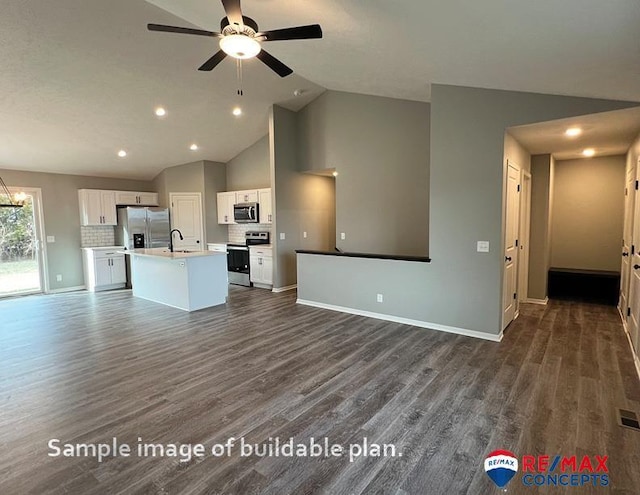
(246, 213)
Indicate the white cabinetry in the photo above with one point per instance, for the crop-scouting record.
(250, 196)
(97, 207)
(136, 198)
(261, 266)
(226, 200)
(104, 268)
(266, 211)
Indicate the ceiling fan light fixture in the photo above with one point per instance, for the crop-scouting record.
(240, 46)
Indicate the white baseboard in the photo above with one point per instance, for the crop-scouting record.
(405, 321)
(67, 289)
(537, 301)
(285, 289)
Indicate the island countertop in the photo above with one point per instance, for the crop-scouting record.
(165, 253)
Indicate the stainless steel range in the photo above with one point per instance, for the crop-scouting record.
(238, 257)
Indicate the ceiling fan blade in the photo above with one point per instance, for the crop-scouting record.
(233, 11)
(181, 30)
(294, 33)
(213, 61)
(274, 64)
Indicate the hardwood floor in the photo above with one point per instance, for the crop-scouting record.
(85, 368)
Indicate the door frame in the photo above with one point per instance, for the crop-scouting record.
(524, 236)
(203, 241)
(41, 239)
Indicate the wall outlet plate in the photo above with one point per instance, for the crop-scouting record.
(58, 277)
(483, 246)
(380, 298)
(343, 236)
(51, 238)
(304, 234)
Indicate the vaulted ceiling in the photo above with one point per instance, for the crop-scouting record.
(80, 78)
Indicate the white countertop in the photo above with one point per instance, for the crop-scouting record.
(261, 246)
(165, 253)
(106, 248)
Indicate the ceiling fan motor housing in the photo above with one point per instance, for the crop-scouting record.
(250, 27)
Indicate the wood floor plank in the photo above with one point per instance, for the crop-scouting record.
(89, 367)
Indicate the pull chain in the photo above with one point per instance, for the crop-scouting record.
(239, 76)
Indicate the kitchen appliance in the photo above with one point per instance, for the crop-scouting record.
(238, 258)
(140, 227)
(246, 212)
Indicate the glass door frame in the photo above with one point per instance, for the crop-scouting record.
(41, 244)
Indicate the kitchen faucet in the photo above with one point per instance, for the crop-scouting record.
(171, 238)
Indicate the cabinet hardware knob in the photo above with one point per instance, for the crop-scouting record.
(507, 258)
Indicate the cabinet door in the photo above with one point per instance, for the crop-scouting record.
(109, 215)
(266, 212)
(126, 198)
(90, 202)
(247, 196)
(118, 270)
(148, 199)
(255, 269)
(226, 200)
(267, 271)
(103, 271)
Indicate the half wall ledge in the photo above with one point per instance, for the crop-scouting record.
(419, 259)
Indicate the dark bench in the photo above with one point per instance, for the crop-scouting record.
(596, 286)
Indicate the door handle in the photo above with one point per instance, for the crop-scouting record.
(625, 254)
(507, 258)
(635, 267)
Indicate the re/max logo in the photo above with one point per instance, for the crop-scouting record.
(544, 463)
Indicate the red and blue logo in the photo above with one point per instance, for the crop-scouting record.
(501, 466)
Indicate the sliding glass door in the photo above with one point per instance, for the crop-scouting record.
(21, 257)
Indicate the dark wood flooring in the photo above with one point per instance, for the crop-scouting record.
(85, 368)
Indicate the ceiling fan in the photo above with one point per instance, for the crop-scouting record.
(241, 39)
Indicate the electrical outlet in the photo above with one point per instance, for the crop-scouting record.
(343, 236)
(59, 277)
(304, 234)
(380, 298)
(282, 236)
(51, 238)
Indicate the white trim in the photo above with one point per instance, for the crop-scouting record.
(405, 321)
(284, 289)
(531, 300)
(67, 289)
(636, 358)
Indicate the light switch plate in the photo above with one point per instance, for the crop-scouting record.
(51, 238)
(304, 234)
(483, 246)
(282, 236)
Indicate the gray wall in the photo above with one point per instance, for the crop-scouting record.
(542, 171)
(588, 213)
(460, 288)
(204, 177)
(303, 202)
(380, 148)
(251, 168)
(62, 217)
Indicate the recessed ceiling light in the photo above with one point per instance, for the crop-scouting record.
(161, 112)
(193, 147)
(573, 131)
(237, 111)
(122, 153)
(589, 152)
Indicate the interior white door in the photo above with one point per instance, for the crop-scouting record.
(627, 240)
(510, 298)
(186, 216)
(633, 322)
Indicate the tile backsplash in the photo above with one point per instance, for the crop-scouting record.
(97, 236)
(237, 231)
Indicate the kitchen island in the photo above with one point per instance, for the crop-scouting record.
(185, 280)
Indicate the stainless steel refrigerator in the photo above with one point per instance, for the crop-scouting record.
(140, 227)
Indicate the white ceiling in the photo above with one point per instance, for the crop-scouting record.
(608, 133)
(80, 78)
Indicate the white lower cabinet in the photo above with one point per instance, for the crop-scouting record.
(104, 268)
(261, 266)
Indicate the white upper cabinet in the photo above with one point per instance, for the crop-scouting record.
(247, 196)
(133, 198)
(266, 211)
(226, 200)
(97, 207)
